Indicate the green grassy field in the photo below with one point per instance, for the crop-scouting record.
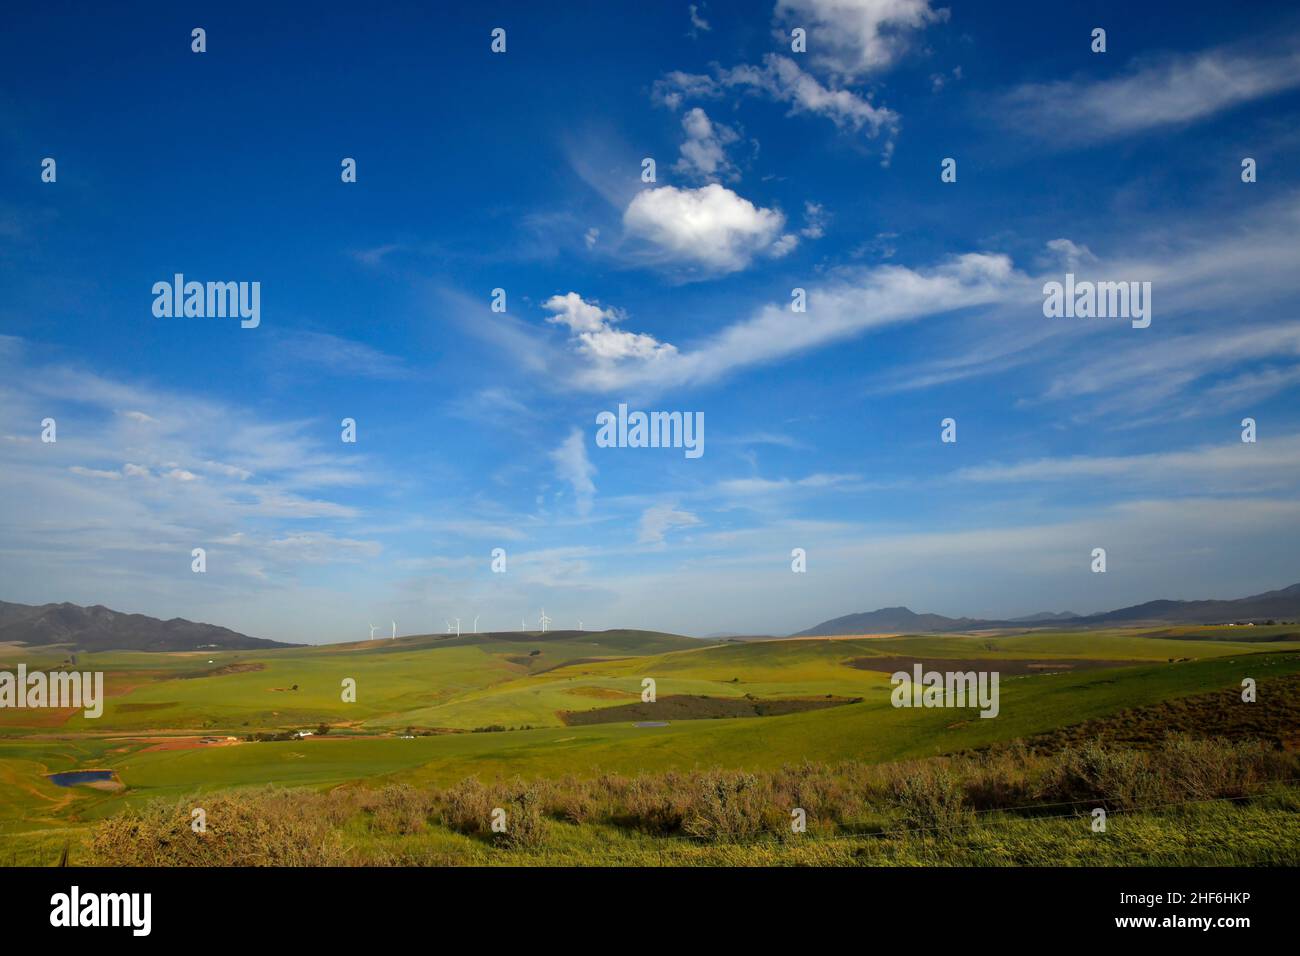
(443, 688)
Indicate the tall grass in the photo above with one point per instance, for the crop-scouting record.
(352, 824)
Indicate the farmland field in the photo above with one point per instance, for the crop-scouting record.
(431, 712)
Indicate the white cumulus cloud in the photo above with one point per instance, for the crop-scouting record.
(591, 329)
(851, 38)
(704, 152)
(711, 227)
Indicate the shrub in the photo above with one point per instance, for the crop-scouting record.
(1210, 769)
(929, 797)
(399, 810)
(999, 779)
(647, 804)
(243, 828)
(1123, 779)
(525, 828)
(727, 807)
(466, 807)
(572, 800)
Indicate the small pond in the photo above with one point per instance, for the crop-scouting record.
(74, 778)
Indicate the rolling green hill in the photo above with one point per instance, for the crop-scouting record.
(443, 688)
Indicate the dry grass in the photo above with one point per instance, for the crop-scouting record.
(715, 807)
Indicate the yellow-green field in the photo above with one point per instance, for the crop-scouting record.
(443, 688)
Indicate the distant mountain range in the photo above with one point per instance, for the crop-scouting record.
(1278, 605)
(100, 629)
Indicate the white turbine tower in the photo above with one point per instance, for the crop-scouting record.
(448, 623)
(523, 625)
(544, 620)
(457, 626)
(394, 630)
(476, 617)
(372, 631)
(580, 624)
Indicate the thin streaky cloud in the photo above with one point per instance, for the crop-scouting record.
(1155, 92)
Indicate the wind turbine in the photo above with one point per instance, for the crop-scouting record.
(457, 627)
(580, 624)
(544, 620)
(372, 631)
(476, 617)
(448, 623)
(523, 625)
(394, 630)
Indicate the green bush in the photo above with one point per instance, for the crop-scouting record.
(729, 807)
(929, 797)
(465, 807)
(525, 827)
(399, 810)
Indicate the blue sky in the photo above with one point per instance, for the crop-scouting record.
(522, 171)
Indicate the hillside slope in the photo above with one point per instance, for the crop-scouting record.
(99, 628)
(1282, 604)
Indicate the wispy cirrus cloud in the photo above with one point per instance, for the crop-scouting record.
(698, 23)
(1155, 92)
(847, 304)
(1228, 466)
(840, 308)
(573, 467)
(1133, 377)
(658, 520)
(781, 79)
(758, 487)
(173, 472)
(323, 351)
(1190, 362)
